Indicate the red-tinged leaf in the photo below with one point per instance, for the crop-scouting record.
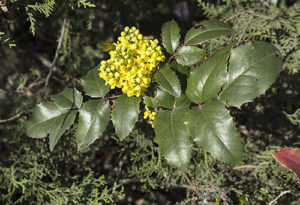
(290, 158)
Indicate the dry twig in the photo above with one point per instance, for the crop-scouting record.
(56, 53)
(12, 118)
(280, 195)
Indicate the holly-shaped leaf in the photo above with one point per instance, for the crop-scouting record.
(205, 81)
(210, 30)
(93, 119)
(170, 36)
(290, 158)
(252, 69)
(93, 85)
(172, 136)
(150, 102)
(180, 68)
(168, 81)
(55, 117)
(213, 129)
(125, 114)
(164, 98)
(190, 55)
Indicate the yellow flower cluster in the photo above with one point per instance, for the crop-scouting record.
(133, 60)
(150, 115)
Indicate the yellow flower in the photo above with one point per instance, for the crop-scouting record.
(133, 60)
(150, 115)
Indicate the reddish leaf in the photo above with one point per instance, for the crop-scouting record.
(290, 158)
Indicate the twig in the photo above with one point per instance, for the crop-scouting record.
(251, 10)
(47, 192)
(194, 188)
(245, 167)
(12, 118)
(56, 54)
(244, 31)
(267, 4)
(280, 195)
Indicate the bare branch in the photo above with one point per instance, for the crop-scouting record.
(12, 118)
(56, 53)
(280, 195)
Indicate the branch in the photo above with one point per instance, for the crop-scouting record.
(56, 54)
(12, 118)
(251, 10)
(244, 31)
(280, 195)
(194, 188)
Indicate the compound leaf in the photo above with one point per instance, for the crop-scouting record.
(93, 85)
(205, 81)
(54, 118)
(170, 36)
(213, 129)
(190, 55)
(172, 136)
(212, 29)
(168, 81)
(252, 69)
(164, 98)
(125, 114)
(93, 119)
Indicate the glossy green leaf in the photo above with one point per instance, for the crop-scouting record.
(252, 69)
(93, 85)
(164, 98)
(180, 68)
(93, 119)
(125, 114)
(182, 102)
(150, 102)
(59, 126)
(210, 30)
(170, 36)
(205, 81)
(54, 118)
(190, 55)
(168, 81)
(172, 136)
(213, 129)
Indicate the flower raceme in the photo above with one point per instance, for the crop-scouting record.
(133, 60)
(150, 115)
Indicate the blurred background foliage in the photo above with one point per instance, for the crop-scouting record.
(133, 171)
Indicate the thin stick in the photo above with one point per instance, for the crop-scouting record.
(12, 118)
(56, 54)
(280, 195)
(194, 188)
(244, 31)
(245, 167)
(251, 10)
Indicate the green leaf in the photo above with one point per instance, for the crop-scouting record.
(182, 101)
(93, 119)
(180, 68)
(190, 55)
(150, 102)
(205, 81)
(172, 136)
(170, 36)
(55, 117)
(212, 29)
(168, 81)
(213, 129)
(59, 126)
(125, 114)
(164, 98)
(93, 85)
(252, 69)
